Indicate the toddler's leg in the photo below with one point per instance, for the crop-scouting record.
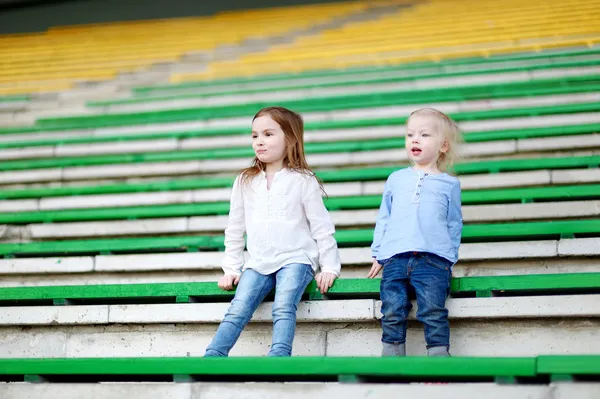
(394, 305)
(431, 279)
(291, 282)
(252, 289)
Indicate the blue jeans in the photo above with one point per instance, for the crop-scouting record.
(289, 282)
(429, 275)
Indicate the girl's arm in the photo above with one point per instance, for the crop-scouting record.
(455, 220)
(382, 219)
(321, 227)
(234, 233)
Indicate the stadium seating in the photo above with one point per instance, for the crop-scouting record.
(113, 207)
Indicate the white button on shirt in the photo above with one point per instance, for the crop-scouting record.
(285, 224)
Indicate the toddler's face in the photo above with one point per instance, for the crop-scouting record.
(268, 140)
(424, 141)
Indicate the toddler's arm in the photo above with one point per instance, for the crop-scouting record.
(382, 219)
(455, 220)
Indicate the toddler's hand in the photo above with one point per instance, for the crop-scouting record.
(375, 269)
(228, 281)
(325, 281)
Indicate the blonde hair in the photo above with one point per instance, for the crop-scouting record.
(451, 132)
(292, 125)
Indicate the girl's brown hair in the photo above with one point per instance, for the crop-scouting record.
(293, 128)
(451, 132)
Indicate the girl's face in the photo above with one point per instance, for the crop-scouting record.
(268, 140)
(424, 142)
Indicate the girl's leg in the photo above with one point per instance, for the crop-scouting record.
(431, 279)
(251, 291)
(395, 305)
(291, 282)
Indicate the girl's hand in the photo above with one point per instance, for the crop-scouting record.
(228, 281)
(375, 269)
(325, 281)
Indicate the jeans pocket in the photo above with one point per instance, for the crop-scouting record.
(438, 261)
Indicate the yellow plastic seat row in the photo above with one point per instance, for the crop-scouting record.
(65, 55)
(434, 55)
(435, 30)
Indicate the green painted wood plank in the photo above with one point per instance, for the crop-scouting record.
(496, 196)
(299, 366)
(578, 365)
(146, 90)
(342, 287)
(343, 175)
(421, 74)
(345, 238)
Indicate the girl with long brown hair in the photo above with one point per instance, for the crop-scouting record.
(277, 202)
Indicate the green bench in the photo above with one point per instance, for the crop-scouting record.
(445, 94)
(356, 288)
(507, 370)
(549, 56)
(247, 152)
(497, 232)
(469, 137)
(470, 197)
(308, 105)
(328, 176)
(10, 99)
(343, 369)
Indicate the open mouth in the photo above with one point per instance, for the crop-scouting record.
(415, 151)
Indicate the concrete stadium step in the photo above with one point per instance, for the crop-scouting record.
(315, 131)
(368, 76)
(185, 191)
(266, 390)
(334, 154)
(318, 93)
(160, 167)
(477, 144)
(328, 76)
(313, 111)
(160, 224)
(522, 326)
(476, 259)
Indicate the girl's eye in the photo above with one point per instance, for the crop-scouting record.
(254, 136)
(269, 134)
(425, 135)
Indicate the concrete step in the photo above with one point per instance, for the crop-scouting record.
(520, 326)
(497, 181)
(266, 390)
(342, 219)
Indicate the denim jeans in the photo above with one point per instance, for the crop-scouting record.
(429, 276)
(289, 282)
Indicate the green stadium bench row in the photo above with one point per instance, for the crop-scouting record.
(522, 285)
(468, 92)
(469, 197)
(242, 152)
(541, 369)
(244, 110)
(469, 137)
(345, 238)
(554, 56)
(328, 176)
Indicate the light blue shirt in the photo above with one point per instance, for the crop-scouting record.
(419, 212)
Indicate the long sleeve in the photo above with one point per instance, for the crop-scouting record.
(455, 220)
(234, 233)
(382, 219)
(321, 227)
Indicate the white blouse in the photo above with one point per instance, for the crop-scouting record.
(285, 224)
